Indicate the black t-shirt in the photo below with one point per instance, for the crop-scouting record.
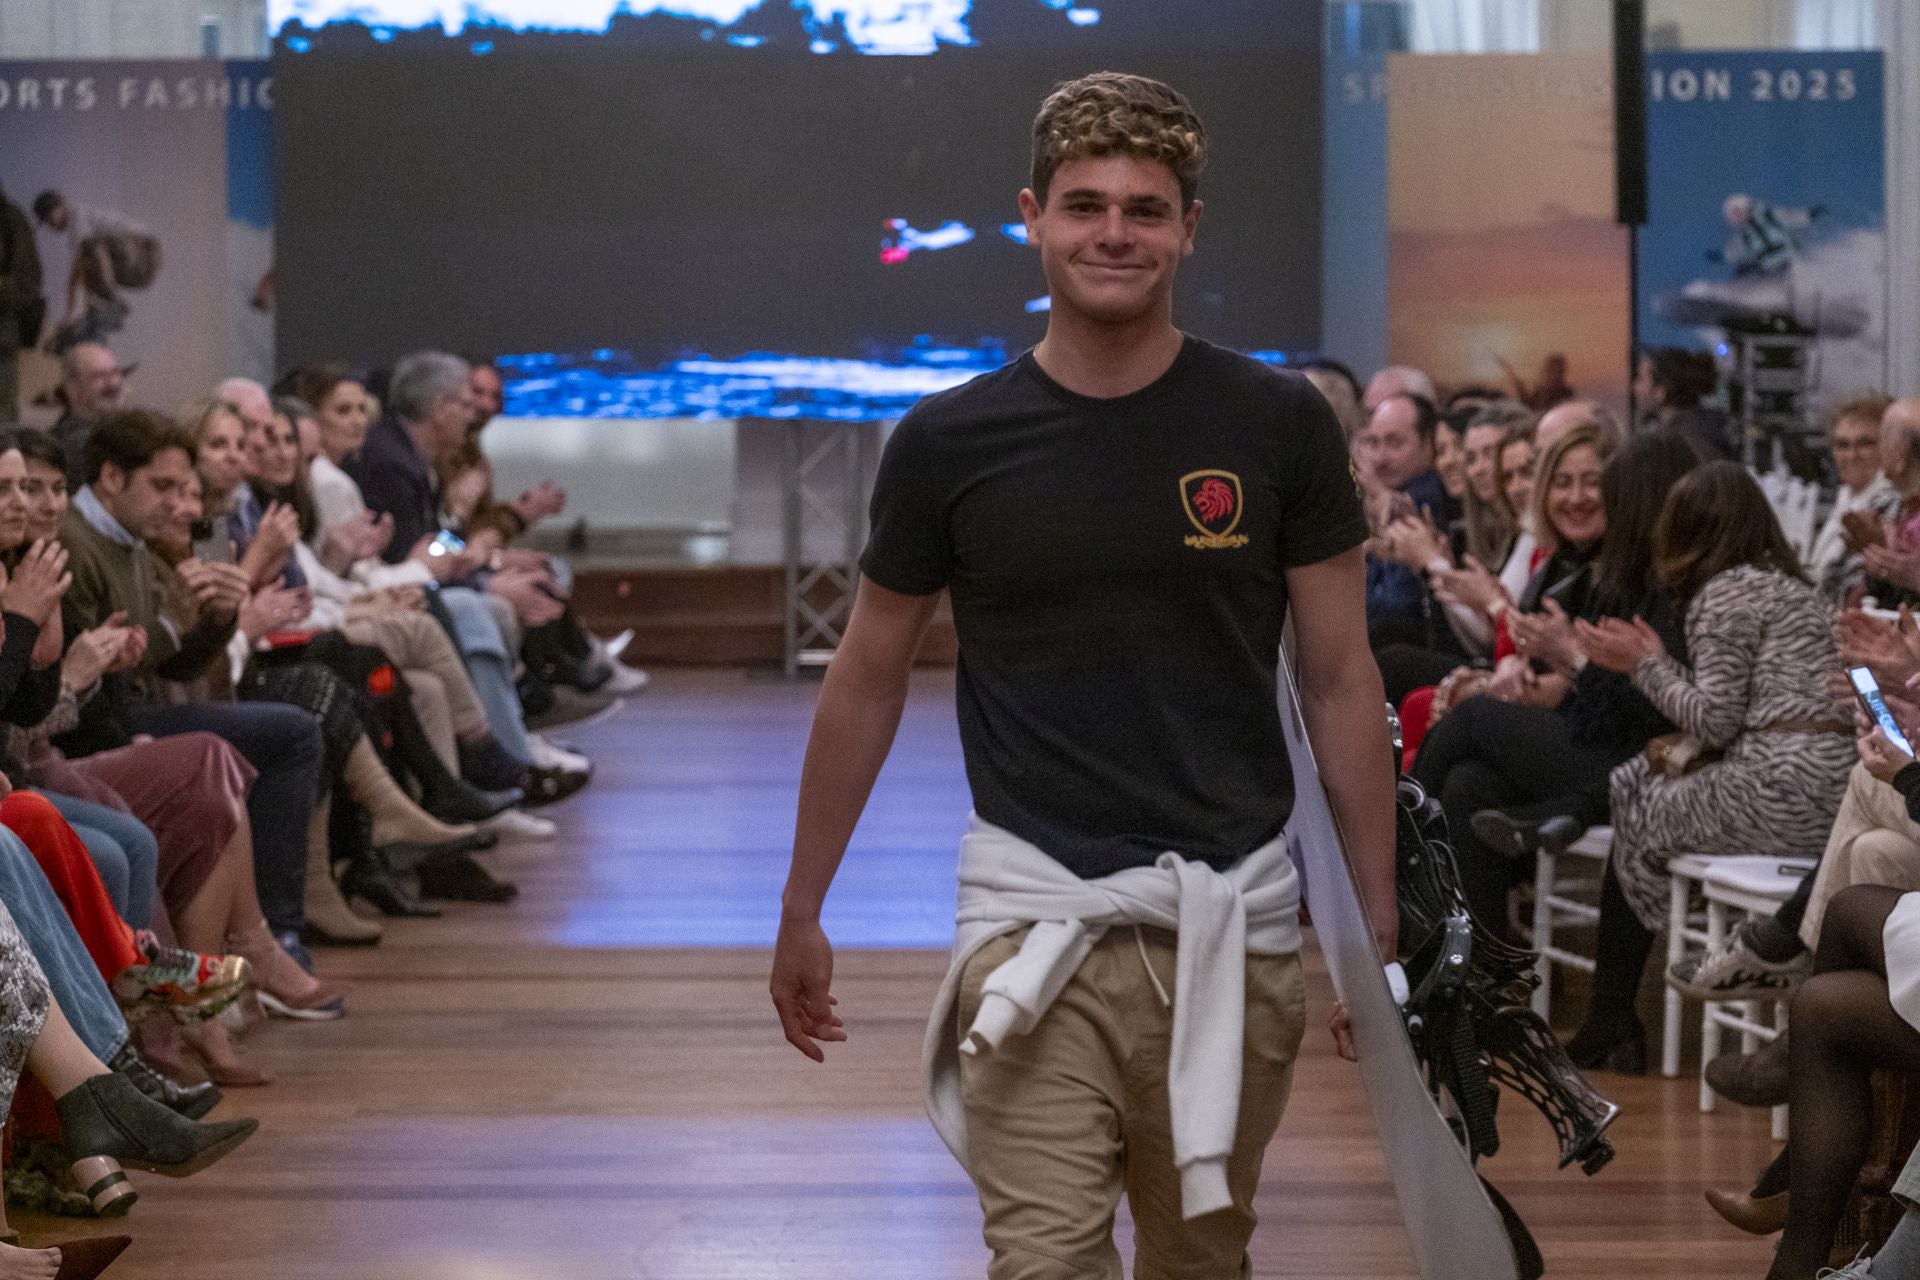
(1117, 572)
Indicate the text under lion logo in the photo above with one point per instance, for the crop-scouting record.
(1212, 501)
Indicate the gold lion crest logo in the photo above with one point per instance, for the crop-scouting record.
(1213, 501)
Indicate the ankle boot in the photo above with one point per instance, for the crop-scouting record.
(396, 818)
(329, 919)
(191, 1101)
(108, 1116)
(105, 1185)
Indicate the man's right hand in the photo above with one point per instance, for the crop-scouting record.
(219, 589)
(802, 974)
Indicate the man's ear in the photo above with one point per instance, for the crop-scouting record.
(112, 479)
(1030, 209)
(1191, 221)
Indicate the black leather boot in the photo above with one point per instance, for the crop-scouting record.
(191, 1101)
(108, 1116)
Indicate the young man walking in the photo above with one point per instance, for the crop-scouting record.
(1123, 517)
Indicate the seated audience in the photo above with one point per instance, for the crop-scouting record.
(1892, 553)
(562, 651)
(1342, 390)
(1491, 526)
(1397, 380)
(1857, 1014)
(104, 1119)
(92, 382)
(339, 684)
(396, 620)
(1540, 742)
(1761, 758)
(1450, 463)
(1393, 458)
(184, 797)
(349, 540)
(1863, 503)
(1518, 458)
(1671, 387)
(136, 464)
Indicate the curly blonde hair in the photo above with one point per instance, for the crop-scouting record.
(1112, 113)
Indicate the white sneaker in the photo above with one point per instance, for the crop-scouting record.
(515, 825)
(627, 680)
(548, 756)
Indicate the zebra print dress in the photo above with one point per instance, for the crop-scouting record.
(1761, 645)
(24, 1001)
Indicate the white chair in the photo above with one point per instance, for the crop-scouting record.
(1684, 928)
(1749, 886)
(1555, 906)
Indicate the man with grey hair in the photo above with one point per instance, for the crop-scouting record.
(92, 381)
(428, 409)
(1397, 380)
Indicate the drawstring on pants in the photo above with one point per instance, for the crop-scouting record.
(1140, 940)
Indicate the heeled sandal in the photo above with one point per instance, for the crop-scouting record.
(231, 1074)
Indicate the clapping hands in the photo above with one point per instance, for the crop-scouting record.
(1469, 585)
(111, 646)
(1618, 645)
(35, 587)
(1547, 636)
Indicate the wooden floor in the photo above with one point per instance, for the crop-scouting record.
(589, 1085)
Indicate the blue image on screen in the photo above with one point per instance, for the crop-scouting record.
(720, 209)
(613, 384)
(872, 27)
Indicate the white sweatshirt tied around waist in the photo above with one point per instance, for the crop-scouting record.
(1220, 917)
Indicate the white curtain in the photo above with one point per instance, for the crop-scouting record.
(1835, 24)
(1476, 26)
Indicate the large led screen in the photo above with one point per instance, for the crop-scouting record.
(750, 208)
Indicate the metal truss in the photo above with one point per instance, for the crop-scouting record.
(824, 493)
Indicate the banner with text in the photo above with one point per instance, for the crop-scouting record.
(1768, 208)
(149, 185)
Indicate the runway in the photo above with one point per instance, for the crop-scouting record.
(589, 1083)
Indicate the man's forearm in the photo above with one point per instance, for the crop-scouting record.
(853, 729)
(203, 642)
(1347, 725)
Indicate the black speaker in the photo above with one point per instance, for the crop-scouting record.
(1630, 111)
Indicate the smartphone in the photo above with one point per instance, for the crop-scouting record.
(1869, 691)
(210, 543)
(446, 543)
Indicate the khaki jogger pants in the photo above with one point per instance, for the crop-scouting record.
(1064, 1119)
(1874, 841)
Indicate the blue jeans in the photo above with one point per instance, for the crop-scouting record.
(124, 852)
(282, 743)
(490, 666)
(70, 971)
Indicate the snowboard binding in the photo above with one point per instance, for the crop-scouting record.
(1469, 1019)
